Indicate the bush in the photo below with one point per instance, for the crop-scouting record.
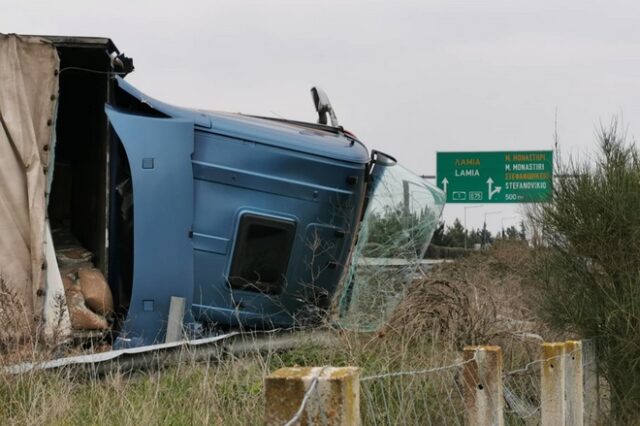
(588, 262)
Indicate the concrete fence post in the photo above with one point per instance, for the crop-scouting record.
(552, 384)
(590, 383)
(573, 382)
(333, 401)
(483, 392)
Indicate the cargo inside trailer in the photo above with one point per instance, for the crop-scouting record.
(89, 168)
(77, 203)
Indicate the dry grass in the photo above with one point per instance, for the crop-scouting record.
(480, 299)
(225, 392)
(476, 300)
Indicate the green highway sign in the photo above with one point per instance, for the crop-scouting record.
(495, 177)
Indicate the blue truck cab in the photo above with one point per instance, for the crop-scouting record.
(249, 219)
(252, 221)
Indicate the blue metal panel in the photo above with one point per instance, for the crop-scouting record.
(321, 195)
(262, 182)
(253, 130)
(196, 117)
(210, 243)
(240, 164)
(159, 153)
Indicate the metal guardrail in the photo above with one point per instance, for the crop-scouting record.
(153, 356)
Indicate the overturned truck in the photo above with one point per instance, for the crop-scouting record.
(113, 203)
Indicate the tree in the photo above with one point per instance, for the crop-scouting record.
(475, 237)
(485, 235)
(511, 233)
(588, 262)
(455, 234)
(522, 234)
(440, 238)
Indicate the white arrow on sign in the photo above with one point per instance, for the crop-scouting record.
(492, 191)
(445, 182)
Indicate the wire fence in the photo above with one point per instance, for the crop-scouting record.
(312, 388)
(440, 395)
(522, 395)
(427, 397)
(431, 396)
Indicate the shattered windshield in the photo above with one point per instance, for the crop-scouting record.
(402, 214)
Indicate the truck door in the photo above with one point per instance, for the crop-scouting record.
(159, 154)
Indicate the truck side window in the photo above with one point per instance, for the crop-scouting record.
(261, 254)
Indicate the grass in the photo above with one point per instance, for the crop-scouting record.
(229, 391)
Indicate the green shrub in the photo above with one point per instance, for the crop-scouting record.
(588, 262)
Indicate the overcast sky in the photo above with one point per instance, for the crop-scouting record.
(409, 78)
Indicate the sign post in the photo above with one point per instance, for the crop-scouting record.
(496, 177)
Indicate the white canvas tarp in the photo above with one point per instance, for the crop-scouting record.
(29, 69)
